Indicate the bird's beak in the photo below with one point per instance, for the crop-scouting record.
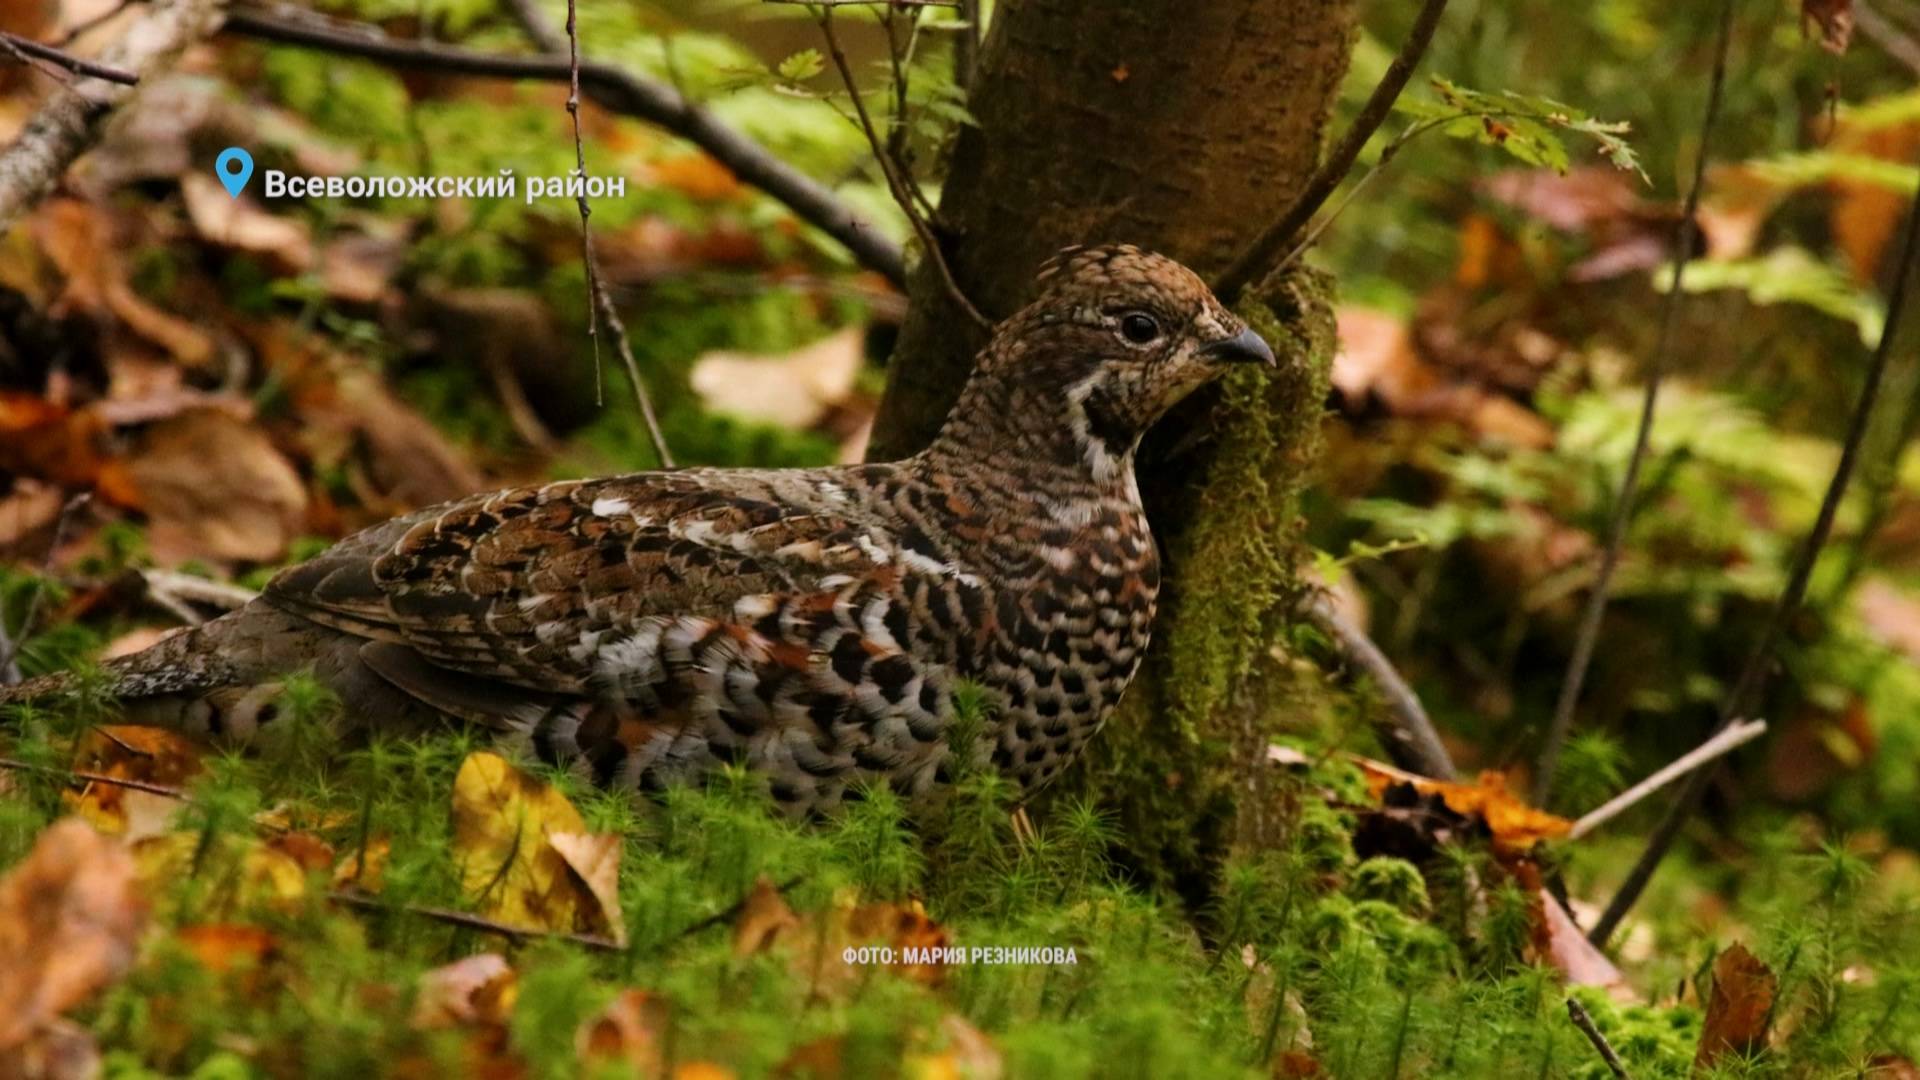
(1246, 347)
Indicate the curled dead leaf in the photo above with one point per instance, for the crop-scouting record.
(480, 989)
(70, 915)
(504, 824)
(1739, 1008)
(215, 487)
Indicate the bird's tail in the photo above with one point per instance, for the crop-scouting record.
(181, 664)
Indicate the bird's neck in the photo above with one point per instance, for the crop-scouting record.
(1013, 439)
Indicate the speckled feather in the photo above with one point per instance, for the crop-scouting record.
(810, 624)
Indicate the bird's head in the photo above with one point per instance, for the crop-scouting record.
(1118, 335)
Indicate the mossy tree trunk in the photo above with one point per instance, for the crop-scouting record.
(1181, 126)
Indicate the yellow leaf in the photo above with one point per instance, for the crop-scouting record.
(128, 752)
(246, 872)
(504, 825)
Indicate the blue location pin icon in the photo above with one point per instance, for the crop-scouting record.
(234, 167)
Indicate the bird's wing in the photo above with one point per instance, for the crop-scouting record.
(535, 586)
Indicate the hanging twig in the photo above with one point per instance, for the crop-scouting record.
(897, 185)
(1753, 675)
(1257, 260)
(1410, 737)
(1584, 1022)
(1588, 633)
(600, 307)
(27, 47)
(1715, 748)
(617, 90)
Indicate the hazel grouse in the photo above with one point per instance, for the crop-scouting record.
(808, 623)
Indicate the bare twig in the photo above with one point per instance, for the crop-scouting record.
(600, 305)
(197, 590)
(69, 122)
(897, 184)
(1584, 1022)
(613, 88)
(74, 64)
(1727, 741)
(10, 650)
(1753, 675)
(150, 788)
(471, 921)
(1588, 633)
(1257, 260)
(1410, 738)
(1883, 32)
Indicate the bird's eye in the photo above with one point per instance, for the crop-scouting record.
(1139, 329)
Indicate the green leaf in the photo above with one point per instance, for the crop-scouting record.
(1788, 275)
(1527, 126)
(802, 65)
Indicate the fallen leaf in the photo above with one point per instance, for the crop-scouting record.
(78, 238)
(70, 915)
(351, 875)
(794, 391)
(242, 225)
(504, 822)
(1738, 1009)
(594, 859)
(967, 1053)
(128, 752)
(213, 486)
(1515, 825)
(27, 512)
(480, 989)
(244, 872)
(630, 1031)
(1569, 951)
(814, 943)
(1833, 19)
(225, 948)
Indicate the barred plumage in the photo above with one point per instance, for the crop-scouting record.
(809, 623)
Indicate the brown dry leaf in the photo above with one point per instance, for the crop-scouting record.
(814, 942)
(794, 391)
(214, 487)
(696, 176)
(630, 1031)
(358, 267)
(242, 225)
(350, 875)
(1739, 1008)
(480, 989)
(1376, 359)
(1890, 614)
(224, 948)
(70, 914)
(504, 822)
(1833, 19)
(26, 512)
(51, 442)
(763, 916)
(306, 849)
(1568, 950)
(1515, 825)
(594, 859)
(127, 752)
(79, 240)
(62, 1050)
(1892, 1067)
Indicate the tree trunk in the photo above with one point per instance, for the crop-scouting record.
(1182, 127)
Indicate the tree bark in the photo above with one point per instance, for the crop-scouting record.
(1182, 127)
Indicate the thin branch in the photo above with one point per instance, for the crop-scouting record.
(966, 45)
(74, 64)
(10, 650)
(13, 765)
(1588, 633)
(1727, 741)
(1411, 739)
(471, 921)
(1892, 40)
(197, 590)
(1257, 260)
(600, 305)
(896, 184)
(613, 88)
(70, 122)
(1753, 675)
(1578, 1014)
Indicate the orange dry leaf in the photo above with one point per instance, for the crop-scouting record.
(128, 752)
(215, 487)
(1515, 825)
(814, 943)
(69, 918)
(505, 827)
(1738, 1011)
